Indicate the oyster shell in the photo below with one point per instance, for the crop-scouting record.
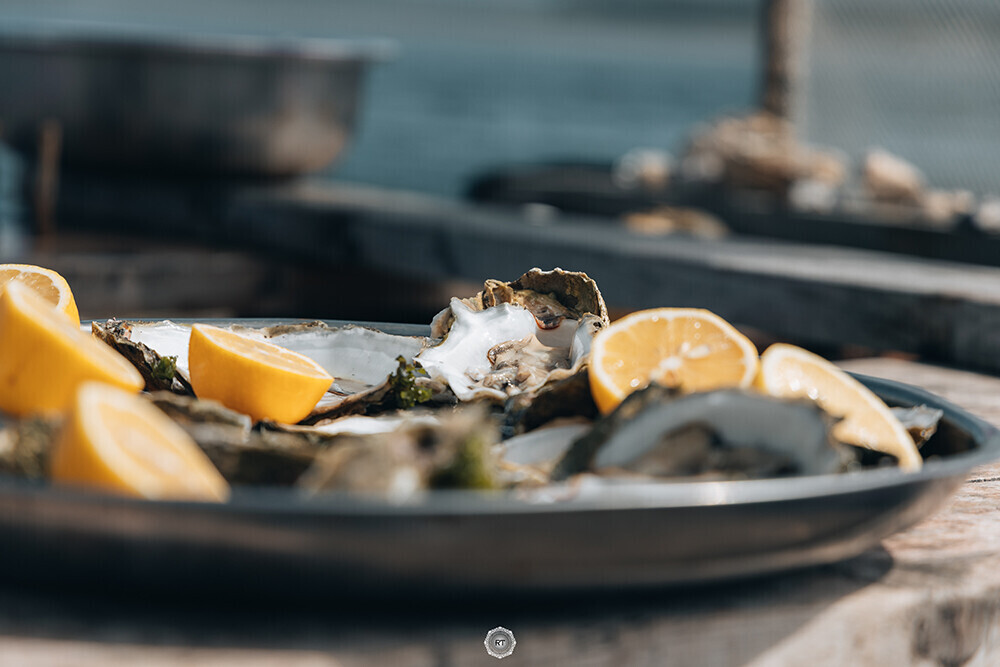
(360, 359)
(515, 337)
(269, 453)
(720, 434)
(25, 446)
(920, 421)
(760, 152)
(544, 447)
(357, 357)
(159, 352)
(549, 295)
(456, 451)
(568, 397)
(242, 454)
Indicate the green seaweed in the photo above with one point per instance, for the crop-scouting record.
(165, 368)
(406, 393)
(469, 468)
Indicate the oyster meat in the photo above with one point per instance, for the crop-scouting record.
(515, 337)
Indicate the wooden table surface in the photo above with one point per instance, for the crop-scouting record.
(928, 596)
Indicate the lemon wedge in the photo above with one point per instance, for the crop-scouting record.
(688, 348)
(788, 371)
(119, 442)
(44, 357)
(254, 377)
(46, 283)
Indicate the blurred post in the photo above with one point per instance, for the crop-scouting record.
(47, 178)
(783, 24)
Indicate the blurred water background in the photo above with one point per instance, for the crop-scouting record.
(479, 83)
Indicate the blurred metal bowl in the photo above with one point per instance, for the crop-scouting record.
(183, 104)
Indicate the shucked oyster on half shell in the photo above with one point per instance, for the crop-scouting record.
(360, 359)
(515, 337)
(511, 338)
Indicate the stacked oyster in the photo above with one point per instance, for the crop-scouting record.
(496, 397)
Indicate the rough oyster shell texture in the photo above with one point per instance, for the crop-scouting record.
(516, 337)
(726, 434)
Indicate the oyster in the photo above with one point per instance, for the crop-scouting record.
(760, 152)
(567, 397)
(267, 452)
(515, 337)
(360, 359)
(456, 451)
(242, 454)
(543, 447)
(890, 178)
(549, 295)
(920, 421)
(25, 446)
(726, 434)
(158, 351)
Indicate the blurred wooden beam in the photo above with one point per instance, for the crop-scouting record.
(784, 28)
(47, 178)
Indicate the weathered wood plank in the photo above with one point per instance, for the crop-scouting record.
(143, 279)
(823, 295)
(593, 190)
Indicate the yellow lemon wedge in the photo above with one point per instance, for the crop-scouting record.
(256, 378)
(46, 283)
(689, 348)
(788, 371)
(121, 443)
(44, 358)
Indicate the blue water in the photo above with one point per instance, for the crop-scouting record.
(432, 121)
(480, 83)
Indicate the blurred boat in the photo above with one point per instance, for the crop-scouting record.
(148, 101)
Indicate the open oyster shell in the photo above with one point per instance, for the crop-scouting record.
(549, 295)
(160, 354)
(514, 338)
(360, 359)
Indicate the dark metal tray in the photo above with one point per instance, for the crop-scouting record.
(611, 537)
